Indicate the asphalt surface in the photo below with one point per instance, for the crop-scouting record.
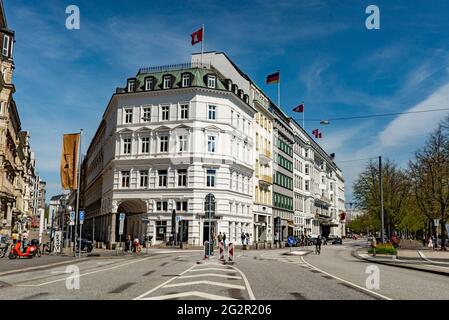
(260, 275)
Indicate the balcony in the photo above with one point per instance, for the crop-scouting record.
(266, 179)
(265, 156)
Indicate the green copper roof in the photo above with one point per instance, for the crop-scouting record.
(198, 77)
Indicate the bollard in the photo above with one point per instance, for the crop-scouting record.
(221, 251)
(231, 253)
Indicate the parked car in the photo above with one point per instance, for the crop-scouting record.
(337, 240)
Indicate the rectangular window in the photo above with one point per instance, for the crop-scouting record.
(128, 115)
(184, 111)
(149, 84)
(307, 183)
(167, 82)
(143, 179)
(182, 143)
(182, 178)
(211, 144)
(147, 114)
(185, 80)
(165, 112)
(211, 80)
(306, 169)
(161, 206)
(145, 144)
(5, 45)
(162, 178)
(125, 179)
(131, 85)
(210, 182)
(127, 146)
(212, 113)
(181, 206)
(163, 144)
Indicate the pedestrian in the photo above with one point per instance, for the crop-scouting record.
(15, 237)
(243, 237)
(224, 240)
(374, 245)
(129, 243)
(220, 237)
(24, 239)
(318, 245)
(247, 238)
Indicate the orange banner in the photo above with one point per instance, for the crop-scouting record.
(69, 161)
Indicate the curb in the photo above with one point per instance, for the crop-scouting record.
(355, 255)
(42, 267)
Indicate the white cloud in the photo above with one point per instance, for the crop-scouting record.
(405, 128)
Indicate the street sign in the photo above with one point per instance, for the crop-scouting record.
(122, 217)
(72, 218)
(81, 217)
(120, 227)
(57, 247)
(291, 240)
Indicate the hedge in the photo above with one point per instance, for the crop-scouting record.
(386, 248)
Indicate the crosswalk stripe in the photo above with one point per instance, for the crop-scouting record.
(210, 275)
(191, 283)
(190, 294)
(213, 269)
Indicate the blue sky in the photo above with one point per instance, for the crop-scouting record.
(327, 58)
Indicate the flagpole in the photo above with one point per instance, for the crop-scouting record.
(279, 91)
(78, 193)
(303, 111)
(202, 46)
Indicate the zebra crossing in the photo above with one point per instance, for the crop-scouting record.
(297, 260)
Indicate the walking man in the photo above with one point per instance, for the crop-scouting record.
(243, 237)
(318, 245)
(224, 240)
(374, 245)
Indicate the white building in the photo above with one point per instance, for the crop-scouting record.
(174, 135)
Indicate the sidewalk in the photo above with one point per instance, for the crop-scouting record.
(410, 259)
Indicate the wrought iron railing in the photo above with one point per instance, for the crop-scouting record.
(172, 67)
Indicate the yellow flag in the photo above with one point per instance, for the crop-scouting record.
(69, 161)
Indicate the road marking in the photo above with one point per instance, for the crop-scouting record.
(215, 269)
(210, 275)
(248, 287)
(190, 294)
(84, 274)
(427, 259)
(213, 283)
(347, 282)
(162, 284)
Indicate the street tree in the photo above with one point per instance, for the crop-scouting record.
(429, 176)
(395, 193)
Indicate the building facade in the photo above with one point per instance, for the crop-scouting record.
(177, 135)
(17, 172)
(172, 136)
(283, 213)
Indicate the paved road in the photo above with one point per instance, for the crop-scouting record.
(260, 275)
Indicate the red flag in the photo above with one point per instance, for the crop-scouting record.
(315, 132)
(197, 36)
(320, 135)
(299, 108)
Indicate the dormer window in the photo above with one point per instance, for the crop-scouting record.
(235, 88)
(211, 81)
(186, 82)
(149, 83)
(229, 83)
(167, 82)
(240, 93)
(131, 85)
(246, 98)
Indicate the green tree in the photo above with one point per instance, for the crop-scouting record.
(395, 193)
